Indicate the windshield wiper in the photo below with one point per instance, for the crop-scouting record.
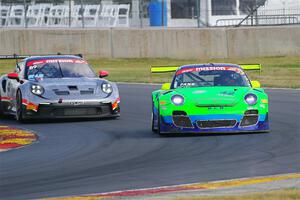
(60, 69)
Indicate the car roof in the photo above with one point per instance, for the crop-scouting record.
(31, 58)
(209, 65)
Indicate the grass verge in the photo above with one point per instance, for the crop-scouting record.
(277, 71)
(287, 194)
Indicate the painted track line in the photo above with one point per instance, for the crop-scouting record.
(185, 187)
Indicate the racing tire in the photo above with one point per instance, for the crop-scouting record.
(154, 130)
(19, 108)
(158, 122)
(158, 131)
(1, 108)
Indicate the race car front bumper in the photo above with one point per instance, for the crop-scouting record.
(214, 123)
(74, 109)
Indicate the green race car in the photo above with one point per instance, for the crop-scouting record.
(209, 98)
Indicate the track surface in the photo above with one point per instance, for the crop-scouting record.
(80, 157)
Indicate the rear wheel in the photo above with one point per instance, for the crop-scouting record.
(19, 107)
(1, 107)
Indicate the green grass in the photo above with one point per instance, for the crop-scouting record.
(277, 71)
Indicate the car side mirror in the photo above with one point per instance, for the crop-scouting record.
(13, 75)
(255, 84)
(103, 74)
(166, 86)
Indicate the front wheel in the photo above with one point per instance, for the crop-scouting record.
(158, 122)
(19, 107)
(154, 129)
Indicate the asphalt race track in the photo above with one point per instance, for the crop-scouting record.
(92, 156)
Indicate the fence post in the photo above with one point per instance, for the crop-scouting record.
(162, 13)
(25, 14)
(70, 7)
(140, 12)
(82, 13)
(198, 12)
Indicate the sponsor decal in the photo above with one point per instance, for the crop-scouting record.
(33, 77)
(30, 105)
(187, 84)
(162, 102)
(115, 105)
(37, 62)
(264, 101)
(77, 103)
(199, 92)
(5, 98)
(216, 108)
(227, 93)
(199, 69)
(262, 106)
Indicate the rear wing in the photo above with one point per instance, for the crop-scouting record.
(15, 56)
(173, 68)
(163, 69)
(251, 66)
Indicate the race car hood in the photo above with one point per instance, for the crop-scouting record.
(58, 82)
(214, 96)
(71, 86)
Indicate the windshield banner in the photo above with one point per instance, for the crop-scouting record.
(198, 69)
(37, 62)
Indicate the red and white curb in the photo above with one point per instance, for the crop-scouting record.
(183, 188)
(11, 138)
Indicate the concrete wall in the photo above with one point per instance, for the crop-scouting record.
(264, 41)
(155, 43)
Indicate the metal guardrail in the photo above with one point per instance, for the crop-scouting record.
(261, 20)
(141, 13)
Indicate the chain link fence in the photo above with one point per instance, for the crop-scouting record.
(146, 13)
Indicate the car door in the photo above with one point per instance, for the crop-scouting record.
(12, 84)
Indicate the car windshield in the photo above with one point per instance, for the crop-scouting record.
(59, 69)
(210, 76)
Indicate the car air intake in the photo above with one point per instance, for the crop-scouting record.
(57, 92)
(180, 119)
(250, 118)
(216, 123)
(251, 112)
(85, 92)
(72, 87)
(81, 111)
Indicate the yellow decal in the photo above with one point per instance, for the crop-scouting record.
(163, 69)
(264, 101)
(251, 66)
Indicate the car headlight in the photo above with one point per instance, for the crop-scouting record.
(251, 99)
(106, 88)
(37, 89)
(177, 100)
